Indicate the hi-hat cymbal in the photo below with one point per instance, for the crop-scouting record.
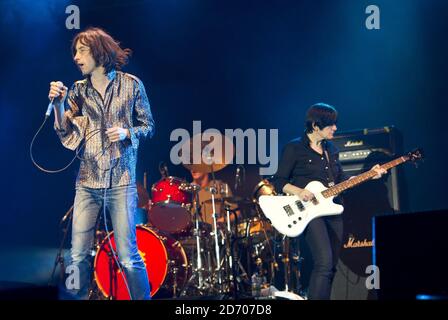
(208, 156)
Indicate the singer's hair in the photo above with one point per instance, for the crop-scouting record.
(106, 51)
(321, 115)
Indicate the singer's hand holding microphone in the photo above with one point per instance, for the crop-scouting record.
(58, 94)
(57, 90)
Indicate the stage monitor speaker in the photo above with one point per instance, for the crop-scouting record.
(411, 254)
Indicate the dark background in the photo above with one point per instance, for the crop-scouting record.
(231, 64)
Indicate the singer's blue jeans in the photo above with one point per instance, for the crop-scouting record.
(121, 203)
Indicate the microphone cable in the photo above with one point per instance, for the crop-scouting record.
(88, 136)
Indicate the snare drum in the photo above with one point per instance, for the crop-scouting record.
(171, 205)
(164, 258)
(263, 188)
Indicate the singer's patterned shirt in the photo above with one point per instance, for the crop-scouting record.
(86, 119)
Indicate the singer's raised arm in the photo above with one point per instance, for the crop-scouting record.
(69, 124)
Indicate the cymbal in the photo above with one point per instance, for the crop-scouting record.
(143, 196)
(211, 156)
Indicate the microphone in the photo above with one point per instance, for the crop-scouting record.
(50, 108)
(51, 105)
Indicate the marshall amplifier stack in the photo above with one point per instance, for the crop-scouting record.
(359, 151)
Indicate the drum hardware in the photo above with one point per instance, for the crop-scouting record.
(236, 272)
(174, 271)
(287, 293)
(198, 270)
(209, 164)
(264, 187)
(228, 246)
(253, 233)
(297, 260)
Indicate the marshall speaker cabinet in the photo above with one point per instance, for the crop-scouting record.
(359, 151)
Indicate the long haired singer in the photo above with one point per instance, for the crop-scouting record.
(108, 110)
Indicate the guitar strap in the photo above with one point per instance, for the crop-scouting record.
(330, 167)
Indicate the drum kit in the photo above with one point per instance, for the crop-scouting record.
(186, 257)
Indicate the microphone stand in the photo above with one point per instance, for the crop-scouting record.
(59, 258)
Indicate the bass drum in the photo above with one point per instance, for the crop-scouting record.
(164, 258)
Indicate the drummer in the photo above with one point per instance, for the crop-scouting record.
(223, 193)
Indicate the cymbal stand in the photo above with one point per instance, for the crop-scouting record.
(196, 233)
(229, 240)
(232, 253)
(213, 191)
(226, 242)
